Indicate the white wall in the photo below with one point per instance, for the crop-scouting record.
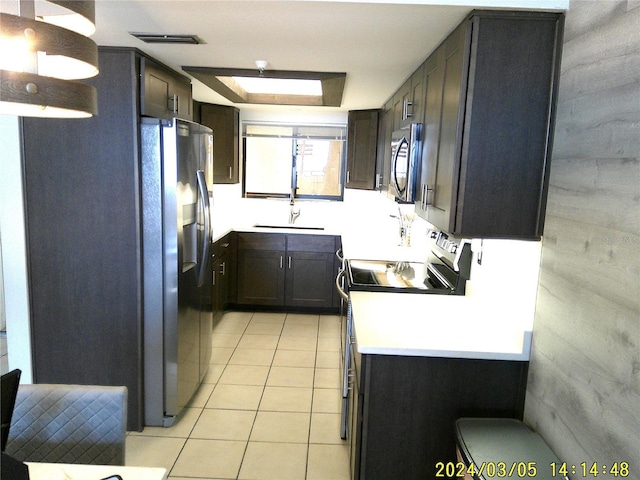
(12, 242)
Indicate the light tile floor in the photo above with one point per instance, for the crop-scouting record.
(269, 407)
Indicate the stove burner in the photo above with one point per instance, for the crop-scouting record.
(437, 275)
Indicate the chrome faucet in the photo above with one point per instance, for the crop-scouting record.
(402, 228)
(293, 213)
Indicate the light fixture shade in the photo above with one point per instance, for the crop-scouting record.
(83, 19)
(41, 57)
(62, 53)
(31, 95)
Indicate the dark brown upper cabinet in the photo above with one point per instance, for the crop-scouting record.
(433, 71)
(362, 144)
(489, 125)
(402, 106)
(225, 122)
(163, 92)
(408, 101)
(383, 156)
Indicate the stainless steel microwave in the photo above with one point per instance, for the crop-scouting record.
(405, 163)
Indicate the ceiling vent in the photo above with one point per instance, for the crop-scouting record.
(168, 38)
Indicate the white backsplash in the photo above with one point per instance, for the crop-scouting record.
(504, 273)
(364, 214)
(504, 277)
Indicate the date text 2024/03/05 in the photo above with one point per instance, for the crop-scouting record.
(530, 469)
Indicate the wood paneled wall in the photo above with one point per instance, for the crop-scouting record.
(583, 394)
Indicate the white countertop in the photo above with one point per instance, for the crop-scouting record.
(435, 326)
(356, 243)
(361, 247)
(418, 324)
(220, 230)
(492, 321)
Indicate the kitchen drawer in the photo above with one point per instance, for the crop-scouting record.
(261, 241)
(311, 243)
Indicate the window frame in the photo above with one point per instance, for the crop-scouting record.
(294, 172)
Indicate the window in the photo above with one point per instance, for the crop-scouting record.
(307, 158)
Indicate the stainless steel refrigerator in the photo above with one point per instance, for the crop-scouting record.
(177, 268)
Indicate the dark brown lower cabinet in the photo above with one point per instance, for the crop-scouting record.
(404, 410)
(224, 269)
(308, 279)
(261, 277)
(286, 270)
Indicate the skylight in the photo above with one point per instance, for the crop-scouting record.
(273, 87)
(279, 86)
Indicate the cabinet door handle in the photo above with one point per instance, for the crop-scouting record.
(281, 260)
(430, 195)
(173, 103)
(289, 261)
(348, 176)
(213, 273)
(230, 173)
(406, 113)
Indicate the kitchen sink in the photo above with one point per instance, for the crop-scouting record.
(294, 226)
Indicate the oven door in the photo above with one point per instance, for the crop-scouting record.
(346, 352)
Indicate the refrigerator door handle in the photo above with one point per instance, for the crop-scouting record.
(204, 196)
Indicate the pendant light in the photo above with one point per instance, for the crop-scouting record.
(42, 55)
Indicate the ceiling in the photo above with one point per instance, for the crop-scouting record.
(378, 44)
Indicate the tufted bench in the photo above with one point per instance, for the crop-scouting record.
(69, 424)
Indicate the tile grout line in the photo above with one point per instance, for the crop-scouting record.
(313, 386)
(264, 386)
(271, 365)
(255, 417)
(205, 405)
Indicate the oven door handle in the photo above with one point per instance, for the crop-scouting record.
(341, 291)
(441, 278)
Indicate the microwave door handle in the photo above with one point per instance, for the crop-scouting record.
(204, 198)
(400, 191)
(394, 170)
